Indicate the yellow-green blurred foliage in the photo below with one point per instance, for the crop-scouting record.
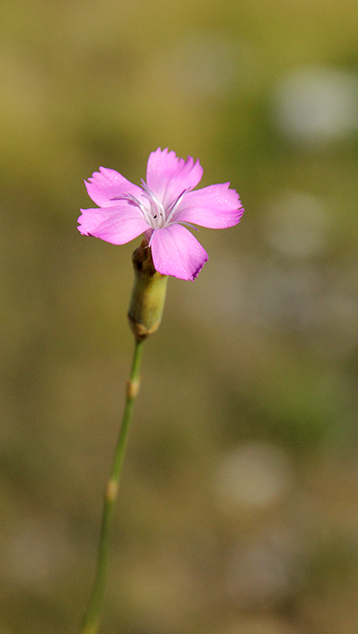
(239, 502)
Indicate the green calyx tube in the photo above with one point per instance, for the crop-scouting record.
(148, 294)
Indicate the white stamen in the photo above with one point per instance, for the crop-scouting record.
(172, 207)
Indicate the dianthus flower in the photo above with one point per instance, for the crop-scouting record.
(159, 209)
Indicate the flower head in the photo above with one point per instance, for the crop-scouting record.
(160, 209)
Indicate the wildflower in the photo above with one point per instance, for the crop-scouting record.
(160, 209)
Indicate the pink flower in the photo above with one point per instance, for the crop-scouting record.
(159, 209)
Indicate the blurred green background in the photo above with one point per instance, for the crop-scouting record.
(239, 502)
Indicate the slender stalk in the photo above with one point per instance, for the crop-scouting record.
(92, 616)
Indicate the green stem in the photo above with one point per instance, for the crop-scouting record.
(91, 619)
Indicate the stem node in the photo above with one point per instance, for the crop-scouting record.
(111, 491)
(132, 389)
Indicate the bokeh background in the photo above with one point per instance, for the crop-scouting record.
(239, 502)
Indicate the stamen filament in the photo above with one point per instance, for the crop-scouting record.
(173, 206)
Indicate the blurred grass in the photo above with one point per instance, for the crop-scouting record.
(259, 355)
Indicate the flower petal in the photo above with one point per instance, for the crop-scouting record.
(176, 252)
(168, 176)
(118, 225)
(107, 185)
(216, 207)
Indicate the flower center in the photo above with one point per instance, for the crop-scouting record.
(154, 212)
